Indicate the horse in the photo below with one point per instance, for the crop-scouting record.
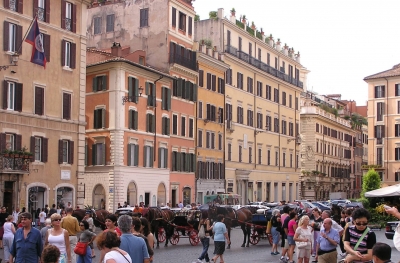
(99, 216)
(232, 218)
(159, 218)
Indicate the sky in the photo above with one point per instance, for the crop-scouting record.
(340, 41)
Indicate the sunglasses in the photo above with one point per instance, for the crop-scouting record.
(58, 219)
(81, 225)
(361, 224)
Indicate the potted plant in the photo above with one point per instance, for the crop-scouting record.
(6, 153)
(262, 31)
(244, 19)
(253, 26)
(213, 15)
(233, 12)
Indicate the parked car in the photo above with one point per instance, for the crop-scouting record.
(123, 211)
(343, 201)
(268, 213)
(306, 206)
(390, 228)
(321, 206)
(351, 205)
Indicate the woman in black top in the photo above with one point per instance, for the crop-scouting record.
(205, 222)
(276, 227)
(317, 224)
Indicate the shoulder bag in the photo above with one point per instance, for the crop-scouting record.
(202, 233)
(301, 244)
(123, 255)
(80, 248)
(269, 226)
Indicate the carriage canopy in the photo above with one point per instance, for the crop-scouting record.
(222, 199)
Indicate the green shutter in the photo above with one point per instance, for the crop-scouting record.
(136, 159)
(187, 163)
(167, 126)
(194, 92)
(163, 99)
(147, 92)
(193, 162)
(163, 124)
(168, 99)
(94, 154)
(130, 125)
(187, 90)
(153, 123)
(179, 87)
(103, 118)
(173, 164)
(159, 157)
(95, 119)
(130, 88)
(136, 89)
(129, 154)
(178, 161)
(104, 154)
(144, 156)
(166, 157)
(104, 83)
(147, 122)
(135, 120)
(94, 84)
(151, 156)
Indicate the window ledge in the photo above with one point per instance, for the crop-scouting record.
(37, 162)
(65, 165)
(67, 68)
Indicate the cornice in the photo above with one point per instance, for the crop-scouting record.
(184, 70)
(206, 59)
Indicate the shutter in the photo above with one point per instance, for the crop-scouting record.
(159, 157)
(94, 153)
(63, 15)
(201, 78)
(171, 52)
(73, 54)
(396, 130)
(173, 165)
(70, 152)
(166, 157)
(3, 142)
(35, 7)
(6, 35)
(173, 17)
(163, 98)
(396, 153)
(103, 154)
(63, 51)
(222, 86)
(129, 154)
(136, 87)
(20, 7)
(396, 87)
(168, 126)
(103, 118)
(46, 46)
(214, 84)
(147, 122)
(179, 87)
(208, 112)
(18, 97)
(45, 150)
(73, 18)
(153, 121)
(94, 83)
(32, 144)
(163, 129)
(208, 81)
(47, 10)
(130, 88)
(147, 92)
(194, 92)
(5, 94)
(190, 25)
(18, 40)
(60, 151)
(104, 82)
(135, 120)
(18, 142)
(130, 121)
(136, 157)
(178, 161)
(168, 99)
(144, 155)
(95, 116)
(7, 4)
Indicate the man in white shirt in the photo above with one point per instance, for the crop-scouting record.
(15, 215)
(327, 214)
(42, 217)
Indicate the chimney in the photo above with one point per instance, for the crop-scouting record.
(116, 49)
(220, 13)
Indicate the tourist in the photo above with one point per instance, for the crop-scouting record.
(51, 254)
(109, 242)
(43, 231)
(15, 215)
(205, 241)
(146, 231)
(275, 230)
(71, 224)
(303, 234)
(42, 218)
(8, 237)
(316, 226)
(220, 237)
(381, 253)
(86, 236)
(327, 242)
(136, 228)
(59, 237)
(88, 218)
(111, 224)
(292, 226)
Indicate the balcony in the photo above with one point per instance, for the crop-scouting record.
(14, 163)
(68, 24)
(323, 113)
(262, 66)
(183, 61)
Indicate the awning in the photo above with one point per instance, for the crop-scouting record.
(393, 190)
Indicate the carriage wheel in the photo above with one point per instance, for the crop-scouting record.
(254, 237)
(269, 236)
(161, 234)
(194, 237)
(175, 238)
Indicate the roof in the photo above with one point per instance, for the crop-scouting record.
(395, 71)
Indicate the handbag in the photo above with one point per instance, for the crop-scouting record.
(302, 244)
(202, 233)
(80, 248)
(396, 237)
(269, 226)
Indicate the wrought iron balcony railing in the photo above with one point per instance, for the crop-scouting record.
(14, 163)
(183, 61)
(68, 24)
(40, 13)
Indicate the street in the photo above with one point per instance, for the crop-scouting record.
(185, 253)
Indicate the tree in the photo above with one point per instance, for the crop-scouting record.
(371, 181)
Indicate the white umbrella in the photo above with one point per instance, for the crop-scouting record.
(393, 190)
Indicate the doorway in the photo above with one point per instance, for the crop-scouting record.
(173, 198)
(161, 195)
(8, 196)
(99, 197)
(131, 196)
(147, 199)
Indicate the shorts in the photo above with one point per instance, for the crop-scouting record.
(286, 245)
(290, 240)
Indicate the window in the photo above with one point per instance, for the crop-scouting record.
(150, 91)
(276, 125)
(133, 89)
(68, 54)
(148, 152)
(208, 139)
(379, 91)
(97, 25)
(259, 89)
(284, 159)
(291, 160)
(183, 126)
(220, 115)
(397, 176)
(268, 157)
(133, 154)
(39, 100)
(276, 158)
(182, 21)
(39, 147)
(66, 106)
(183, 88)
(144, 17)
(283, 127)
(68, 17)
(211, 112)
(191, 127)
(201, 78)
(16, 6)
(200, 138)
(99, 154)
(12, 35)
(284, 98)
(220, 141)
(397, 130)
(250, 118)
(291, 133)
(239, 115)
(259, 120)
(229, 152)
(175, 124)
(221, 86)
(99, 83)
(110, 23)
(200, 110)
(133, 120)
(397, 154)
(290, 100)
(150, 122)
(228, 76)
(268, 123)
(12, 96)
(240, 153)
(250, 154)
(259, 156)
(228, 112)
(276, 95)
(166, 98)
(99, 119)
(190, 30)
(398, 107)
(65, 151)
(296, 100)
(239, 80)
(380, 111)
(379, 156)
(212, 140)
(162, 158)
(10, 141)
(250, 85)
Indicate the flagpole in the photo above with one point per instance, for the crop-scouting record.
(23, 39)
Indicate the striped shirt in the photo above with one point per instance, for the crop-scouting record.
(352, 235)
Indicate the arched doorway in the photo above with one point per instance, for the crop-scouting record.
(186, 196)
(36, 199)
(64, 195)
(161, 195)
(99, 196)
(131, 194)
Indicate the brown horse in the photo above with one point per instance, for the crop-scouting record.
(159, 218)
(99, 216)
(232, 218)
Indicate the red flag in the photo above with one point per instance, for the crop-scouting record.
(35, 38)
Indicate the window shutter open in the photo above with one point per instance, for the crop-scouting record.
(7, 4)
(63, 13)
(147, 89)
(396, 90)
(144, 155)
(73, 54)
(190, 25)
(5, 94)
(396, 154)
(104, 82)
(94, 153)
(6, 35)
(159, 157)
(18, 97)
(94, 83)
(70, 152)
(20, 7)
(103, 154)
(129, 154)
(60, 151)
(35, 8)
(32, 144)
(147, 122)
(174, 17)
(135, 120)
(63, 52)
(136, 88)
(47, 10)
(214, 83)
(153, 121)
(136, 159)
(167, 126)
(168, 99)
(130, 119)
(103, 118)
(45, 145)
(46, 45)
(18, 142)
(73, 18)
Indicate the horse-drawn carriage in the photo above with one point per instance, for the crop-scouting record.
(258, 229)
(186, 223)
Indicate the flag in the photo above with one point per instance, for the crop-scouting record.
(36, 40)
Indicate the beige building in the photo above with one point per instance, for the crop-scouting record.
(326, 148)
(42, 109)
(262, 93)
(384, 124)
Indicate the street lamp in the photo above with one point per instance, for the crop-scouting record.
(131, 98)
(13, 60)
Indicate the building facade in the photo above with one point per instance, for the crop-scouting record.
(326, 149)
(210, 123)
(164, 30)
(262, 93)
(42, 109)
(383, 124)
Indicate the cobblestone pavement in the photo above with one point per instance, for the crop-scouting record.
(183, 252)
